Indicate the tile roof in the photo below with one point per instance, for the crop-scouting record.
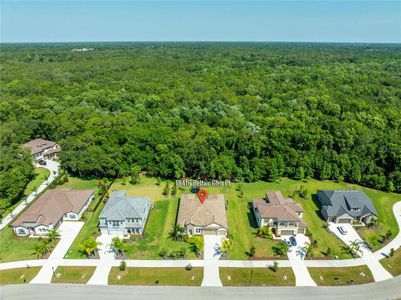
(50, 207)
(38, 145)
(120, 206)
(276, 207)
(192, 211)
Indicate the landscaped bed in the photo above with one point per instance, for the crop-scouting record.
(257, 276)
(341, 276)
(18, 276)
(156, 276)
(72, 274)
(393, 263)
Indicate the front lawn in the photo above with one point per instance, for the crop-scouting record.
(72, 274)
(156, 276)
(18, 276)
(393, 263)
(341, 276)
(14, 248)
(257, 276)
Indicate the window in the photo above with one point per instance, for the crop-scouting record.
(198, 230)
(21, 231)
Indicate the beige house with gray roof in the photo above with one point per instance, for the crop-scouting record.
(207, 218)
(283, 216)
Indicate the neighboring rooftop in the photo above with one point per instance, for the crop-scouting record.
(276, 207)
(336, 203)
(51, 207)
(38, 145)
(120, 206)
(193, 211)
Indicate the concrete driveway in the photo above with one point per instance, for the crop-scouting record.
(296, 255)
(211, 253)
(68, 232)
(378, 271)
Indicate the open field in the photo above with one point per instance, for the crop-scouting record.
(341, 276)
(156, 276)
(257, 276)
(393, 264)
(72, 274)
(18, 276)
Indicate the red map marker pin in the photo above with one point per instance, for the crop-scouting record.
(202, 195)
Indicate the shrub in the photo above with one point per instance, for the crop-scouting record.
(123, 265)
(188, 267)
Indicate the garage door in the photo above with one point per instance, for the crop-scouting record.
(344, 221)
(209, 232)
(287, 232)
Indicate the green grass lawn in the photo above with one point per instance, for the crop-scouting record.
(341, 276)
(393, 264)
(72, 274)
(156, 276)
(257, 276)
(14, 248)
(18, 276)
(40, 175)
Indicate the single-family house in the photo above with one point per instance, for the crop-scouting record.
(283, 216)
(50, 209)
(346, 206)
(203, 218)
(124, 214)
(43, 149)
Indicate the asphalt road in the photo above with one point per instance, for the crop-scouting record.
(388, 289)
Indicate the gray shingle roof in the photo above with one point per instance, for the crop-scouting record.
(338, 202)
(120, 206)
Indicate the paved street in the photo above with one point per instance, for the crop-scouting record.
(211, 275)
(68, 232)
(53, 167)
(378, 271)
(383, 290)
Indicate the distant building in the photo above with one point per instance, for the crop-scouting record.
(50, 209)
(283, 216)
(345, 206)
(43, 149)
(207, 218)
(124, 214)
(82, 49)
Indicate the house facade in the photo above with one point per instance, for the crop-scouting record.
(50, 210)
(43, 149)
(203, 218)
(346, 206)
(124, 214)
(283, 216)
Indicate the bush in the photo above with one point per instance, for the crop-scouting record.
(123, 265)
(188, 267)
(274, 266)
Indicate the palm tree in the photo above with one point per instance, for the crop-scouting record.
(38, 250)
(52, 235)
(118, 245)
(177, 233)
(354, 248)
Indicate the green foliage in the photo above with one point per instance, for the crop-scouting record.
(280, 249)
(195, 244)
(226, 246)
(274, 266)
(178, 233)
(135, 172)
(89, 246)
(123, 265)
(264, 232)
(118, 245)
(239, 111)
(166, 189)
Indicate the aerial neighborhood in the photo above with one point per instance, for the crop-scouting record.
(121, 218)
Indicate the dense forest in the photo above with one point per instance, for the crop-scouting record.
(245, 111)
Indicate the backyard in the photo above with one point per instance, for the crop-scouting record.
(18, 276)
(393, 263)
(156, 276)
(72, 274)
(341, 276)
(257, 276)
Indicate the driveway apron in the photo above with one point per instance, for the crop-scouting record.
(211, 275)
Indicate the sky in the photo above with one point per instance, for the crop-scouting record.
(190, 20)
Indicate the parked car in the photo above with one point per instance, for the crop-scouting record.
(42, 162)
(342, 230)
(293, 241)
(287, 242)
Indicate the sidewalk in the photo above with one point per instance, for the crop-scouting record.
(52, 166)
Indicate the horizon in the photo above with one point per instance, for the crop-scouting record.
(329, 21)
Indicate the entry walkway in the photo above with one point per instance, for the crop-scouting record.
(211, 275)
(53, 167)
(68, 232)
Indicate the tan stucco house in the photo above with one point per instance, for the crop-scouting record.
(43, 149)
(207, 218)
(283, 216)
